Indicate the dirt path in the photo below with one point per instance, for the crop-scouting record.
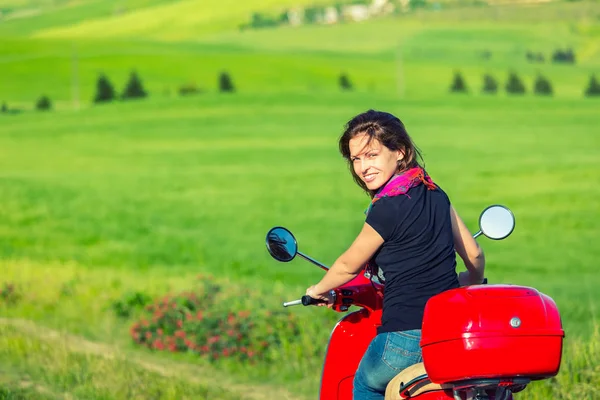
(166, 368)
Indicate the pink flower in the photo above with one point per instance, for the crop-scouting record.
(158, 344)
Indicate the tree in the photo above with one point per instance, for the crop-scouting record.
(593, 88)
(490, 85)
(225, 83)
(458, 84)
(134, 88)
(105, 91)
(564, 56)
(344, 82)
(514, 85)
(4, 108)
(542, 86)
(43, 104)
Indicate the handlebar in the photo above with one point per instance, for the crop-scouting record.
(306, 300)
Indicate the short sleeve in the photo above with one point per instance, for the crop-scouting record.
(381, 218)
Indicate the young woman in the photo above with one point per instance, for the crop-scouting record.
(411, 233)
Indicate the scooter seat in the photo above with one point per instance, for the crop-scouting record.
(411, 382)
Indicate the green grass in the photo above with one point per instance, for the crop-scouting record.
(144, 195)
(60, 370)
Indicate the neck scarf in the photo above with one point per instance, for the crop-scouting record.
(400, 184)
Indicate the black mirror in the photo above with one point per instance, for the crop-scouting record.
(496, 222)
(281, 244)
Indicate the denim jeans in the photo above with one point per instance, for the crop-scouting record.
(387, 355)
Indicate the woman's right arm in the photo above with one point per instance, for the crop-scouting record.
(468, 249)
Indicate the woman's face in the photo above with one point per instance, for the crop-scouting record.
(374, 163)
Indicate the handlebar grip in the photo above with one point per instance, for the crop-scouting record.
(307, 300)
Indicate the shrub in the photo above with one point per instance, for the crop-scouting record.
(564, 56)
(458, 84)
(489, 84)
(542, 86)
(514, 85)
(192, 322)
(344, 82)
(593, 88)
(4, 108)
(9, 294)
(129, 303)
(313, 15)
(189, 89)
(535, 57)
(134, 88)
(225, 83)
(262, 21)
(43, 104)
(105, 91)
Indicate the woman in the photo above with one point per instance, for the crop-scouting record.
(411, 233)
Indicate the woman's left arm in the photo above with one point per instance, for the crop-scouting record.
(349, 264)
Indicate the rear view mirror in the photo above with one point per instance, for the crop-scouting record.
(496, 222)
(281, 244)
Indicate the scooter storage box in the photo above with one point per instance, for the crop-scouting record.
(491, 331)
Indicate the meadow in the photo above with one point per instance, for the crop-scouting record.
(101, 204)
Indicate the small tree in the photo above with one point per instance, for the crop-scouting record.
(4, 108)
(458, 84)
(514, 85)
(134, 88)
(542, 86)
(344, 82)
(225, 83)
(593, 88)
(43, 104)
(490, 85)
(105, 91)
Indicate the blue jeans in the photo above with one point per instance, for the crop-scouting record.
(387, 355)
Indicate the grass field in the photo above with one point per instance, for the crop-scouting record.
(143, 196)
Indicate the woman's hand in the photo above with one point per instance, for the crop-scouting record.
(327, 297)
(465, 279)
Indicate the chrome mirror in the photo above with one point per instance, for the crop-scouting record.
(281, 244)
(496, 222)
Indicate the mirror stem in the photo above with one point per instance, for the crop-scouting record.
(318, 264)
(475, 236)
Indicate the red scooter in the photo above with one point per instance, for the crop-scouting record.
(480, 342)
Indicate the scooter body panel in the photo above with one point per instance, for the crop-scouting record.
(349, 340)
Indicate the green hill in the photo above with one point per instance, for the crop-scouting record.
(184, 42)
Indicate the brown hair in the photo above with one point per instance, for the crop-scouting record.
(389, 131)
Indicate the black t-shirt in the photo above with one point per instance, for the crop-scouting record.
(417, 258)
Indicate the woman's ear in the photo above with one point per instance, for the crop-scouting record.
(400, 155)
